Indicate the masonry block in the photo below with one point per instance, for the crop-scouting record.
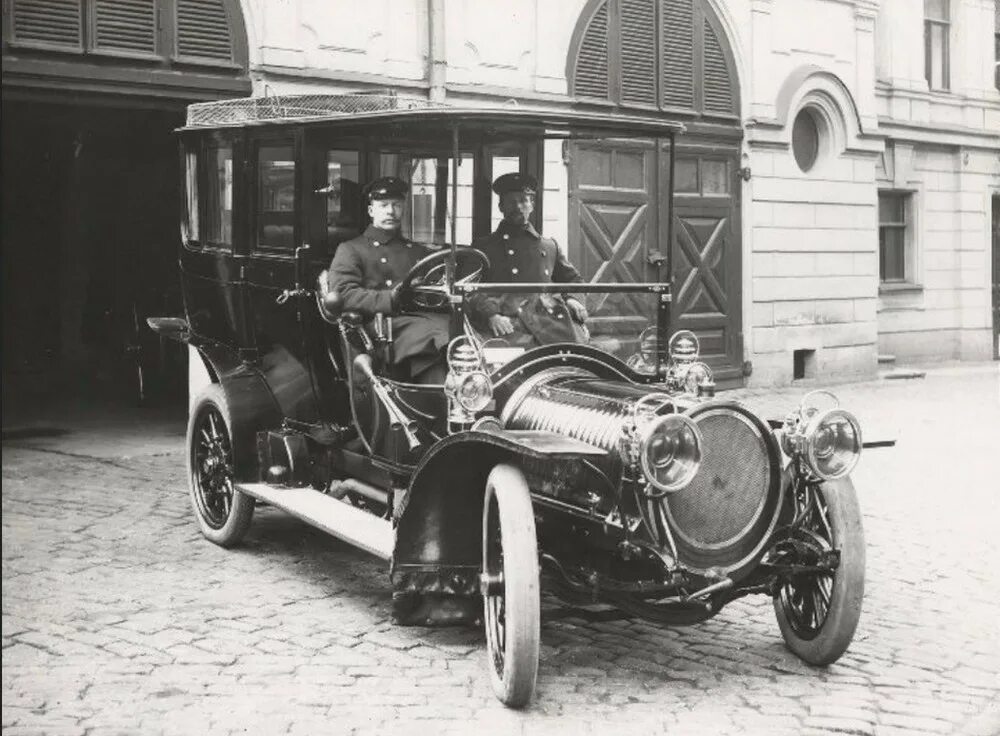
(976, 344)
(812, 287)
(846, 216)
(920, 346)
(795, 313)
(762, 314)
(836, 264)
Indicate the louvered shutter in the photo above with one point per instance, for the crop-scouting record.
(125, 25)
(717, 83)
(203, 30)
(591, 77)
(54, 23)
(677, 54)
(638, 52)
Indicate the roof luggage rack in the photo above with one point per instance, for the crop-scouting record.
(296, 107)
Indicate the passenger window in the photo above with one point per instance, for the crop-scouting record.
(343, 196)
(189, 227)
(219, 195)
(428, 216)
(276, 197)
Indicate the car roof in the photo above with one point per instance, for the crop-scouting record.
(423, 117)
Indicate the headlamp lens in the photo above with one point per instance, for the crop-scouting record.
(670, 452)
(474, 391)
(696, 375)
(833, 444)
(683, 347)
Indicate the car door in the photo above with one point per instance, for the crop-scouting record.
(275, 232)
(211, 265)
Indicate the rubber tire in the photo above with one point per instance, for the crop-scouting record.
(522, 609)
(241, 511)
(848, 589)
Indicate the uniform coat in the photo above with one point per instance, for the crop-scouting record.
(365, 269)
(518, 254)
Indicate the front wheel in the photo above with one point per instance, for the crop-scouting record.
(510, 586)
(223, 513)
(818, 612)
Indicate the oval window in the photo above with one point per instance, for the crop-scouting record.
(805, 139)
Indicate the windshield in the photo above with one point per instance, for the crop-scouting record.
(618, 319)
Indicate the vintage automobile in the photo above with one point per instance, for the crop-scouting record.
(609, 467)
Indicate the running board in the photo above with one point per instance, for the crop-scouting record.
(354, 526)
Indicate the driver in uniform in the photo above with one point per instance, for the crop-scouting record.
(519, 254)
(367, 271)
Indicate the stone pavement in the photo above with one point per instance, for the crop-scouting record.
(118, 618)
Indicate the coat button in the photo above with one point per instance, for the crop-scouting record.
(513, 270)
(510, 252)
(506, 236)
(376, 243)
(388, 282)
(383, 260)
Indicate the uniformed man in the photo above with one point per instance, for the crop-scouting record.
(367, 271)
(518, 254)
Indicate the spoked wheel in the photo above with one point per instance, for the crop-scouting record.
(223, 512)
(510, 586)
(818, 612)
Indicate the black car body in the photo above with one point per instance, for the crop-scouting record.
(611, 466)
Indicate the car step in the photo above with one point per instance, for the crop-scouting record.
(357, 527)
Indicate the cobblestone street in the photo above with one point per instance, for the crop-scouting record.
(119, 618)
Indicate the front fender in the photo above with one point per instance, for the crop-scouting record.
(439, 530)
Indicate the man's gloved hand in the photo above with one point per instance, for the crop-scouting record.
(501, 325)
(394, 297)
(577, 310)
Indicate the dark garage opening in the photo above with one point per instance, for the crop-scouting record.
(89, 243)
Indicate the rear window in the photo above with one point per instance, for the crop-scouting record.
(219, 194)
(189, 225)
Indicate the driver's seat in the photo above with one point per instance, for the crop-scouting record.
(330, 305)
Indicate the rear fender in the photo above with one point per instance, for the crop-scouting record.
(439, 531)
(252, 407)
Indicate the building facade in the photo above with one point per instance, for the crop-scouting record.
(836, 191)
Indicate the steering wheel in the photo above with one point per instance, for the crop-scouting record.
(425, 288)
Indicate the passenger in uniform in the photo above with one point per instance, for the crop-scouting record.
(519, 254)
(367, 271)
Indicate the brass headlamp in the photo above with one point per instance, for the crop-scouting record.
(827, 439)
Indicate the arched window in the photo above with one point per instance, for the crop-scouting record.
(656, 54)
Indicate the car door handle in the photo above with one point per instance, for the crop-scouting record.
(289, 293)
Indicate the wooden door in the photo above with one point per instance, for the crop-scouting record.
(705, 256)
(619, 205)
(613, 230)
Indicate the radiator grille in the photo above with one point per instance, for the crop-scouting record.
(731, 488)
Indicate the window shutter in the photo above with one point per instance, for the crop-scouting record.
(125, 25)
(203, 30)
(677, 53)
(717, 85)
(638, 52)
(591, 78)
(48, 23)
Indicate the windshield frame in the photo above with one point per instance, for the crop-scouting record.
(460, 292)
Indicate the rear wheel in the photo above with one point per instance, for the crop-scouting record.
(510, 586)
(819, 612)
(223, 513)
